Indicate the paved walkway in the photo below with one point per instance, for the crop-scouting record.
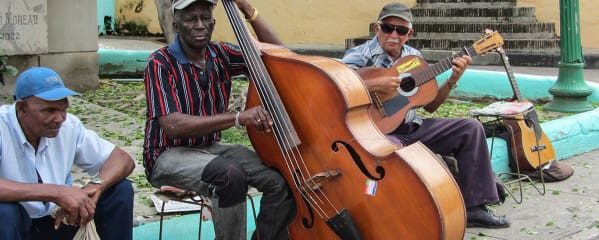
(567, 210)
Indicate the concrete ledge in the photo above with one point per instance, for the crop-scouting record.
(122, 63)
(481, 84)
(570, 136)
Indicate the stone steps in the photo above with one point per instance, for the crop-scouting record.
(449, 25)
(475, 30)
(510, 45)
(473, 14)
(442, 4)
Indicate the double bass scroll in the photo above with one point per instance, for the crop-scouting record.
(327, 148)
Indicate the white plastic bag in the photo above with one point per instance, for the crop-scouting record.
(87, 232)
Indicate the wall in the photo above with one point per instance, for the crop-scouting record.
(72, 44)
(140, 12)
(330, 22)
(549, 11)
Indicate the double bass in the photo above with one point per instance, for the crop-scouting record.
(348, 180)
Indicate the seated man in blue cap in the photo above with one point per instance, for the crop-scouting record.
(39, 144)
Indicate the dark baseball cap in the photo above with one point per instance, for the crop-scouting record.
(396, 10)
(182, 4)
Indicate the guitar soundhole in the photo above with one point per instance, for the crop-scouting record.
(407, 84)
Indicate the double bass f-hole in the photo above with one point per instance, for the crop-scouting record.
(333, 200)
(354, 155)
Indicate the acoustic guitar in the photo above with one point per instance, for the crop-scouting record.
(529, 145)
(416, 88)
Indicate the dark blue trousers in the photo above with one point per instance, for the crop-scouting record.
(113, 218)
(465, 139)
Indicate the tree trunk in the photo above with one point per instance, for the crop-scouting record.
(165, 16)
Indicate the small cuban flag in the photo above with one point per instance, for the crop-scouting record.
(370, 188)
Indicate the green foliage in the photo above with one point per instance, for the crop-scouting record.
(126, 97)
(129, 98)
(140, 180)
(5, 68)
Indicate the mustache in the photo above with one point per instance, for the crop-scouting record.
(392, 41)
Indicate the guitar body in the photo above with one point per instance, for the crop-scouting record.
(529, 152)
(416, 88)
(391, 108)
(529, 145)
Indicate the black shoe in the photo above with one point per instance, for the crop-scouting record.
(481, 217)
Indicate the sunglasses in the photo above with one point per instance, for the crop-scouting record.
(388, 29)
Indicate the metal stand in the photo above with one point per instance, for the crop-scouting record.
(515, 177)
(196, 200)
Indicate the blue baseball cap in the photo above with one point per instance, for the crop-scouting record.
(43, 83)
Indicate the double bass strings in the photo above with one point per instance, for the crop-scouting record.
(282, 130)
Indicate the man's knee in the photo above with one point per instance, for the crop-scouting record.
(119, 195)
(229, 179)
(474, 126)
(114, 212)
(15, 222)
(277, 183)
(122, 189)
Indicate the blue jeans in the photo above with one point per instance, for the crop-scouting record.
(222, 172)
(113, 218)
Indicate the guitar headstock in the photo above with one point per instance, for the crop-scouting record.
(491, 41)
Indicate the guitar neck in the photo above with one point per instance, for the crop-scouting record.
(510, 74)
(489, 42)
(434, 70)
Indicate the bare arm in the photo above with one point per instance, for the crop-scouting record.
(263, 31)
(376, 82)
(459, 66)
(116, 168)
(78, 206)
(184, 125)
(11, 191)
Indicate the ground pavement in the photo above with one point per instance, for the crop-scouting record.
(568, 209)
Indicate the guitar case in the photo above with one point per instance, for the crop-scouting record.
(555, 172)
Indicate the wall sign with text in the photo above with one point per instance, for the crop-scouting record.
(23, 27)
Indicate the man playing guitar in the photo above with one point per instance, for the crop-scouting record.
(463, 138)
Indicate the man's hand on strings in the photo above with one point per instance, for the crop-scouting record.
(258, 117)
(383, 84)
(459, 67)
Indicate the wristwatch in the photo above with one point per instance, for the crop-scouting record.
(98, 181)
(452, 85)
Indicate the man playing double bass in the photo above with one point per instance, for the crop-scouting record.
(188, 85)
(463, 138)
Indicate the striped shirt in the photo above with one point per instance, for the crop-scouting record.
(371, 54)
(174, 84)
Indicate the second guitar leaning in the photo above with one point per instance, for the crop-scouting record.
(529, 145)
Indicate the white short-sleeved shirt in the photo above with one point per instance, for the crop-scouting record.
(74, 144)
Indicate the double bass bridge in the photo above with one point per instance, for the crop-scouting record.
(317, 181)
